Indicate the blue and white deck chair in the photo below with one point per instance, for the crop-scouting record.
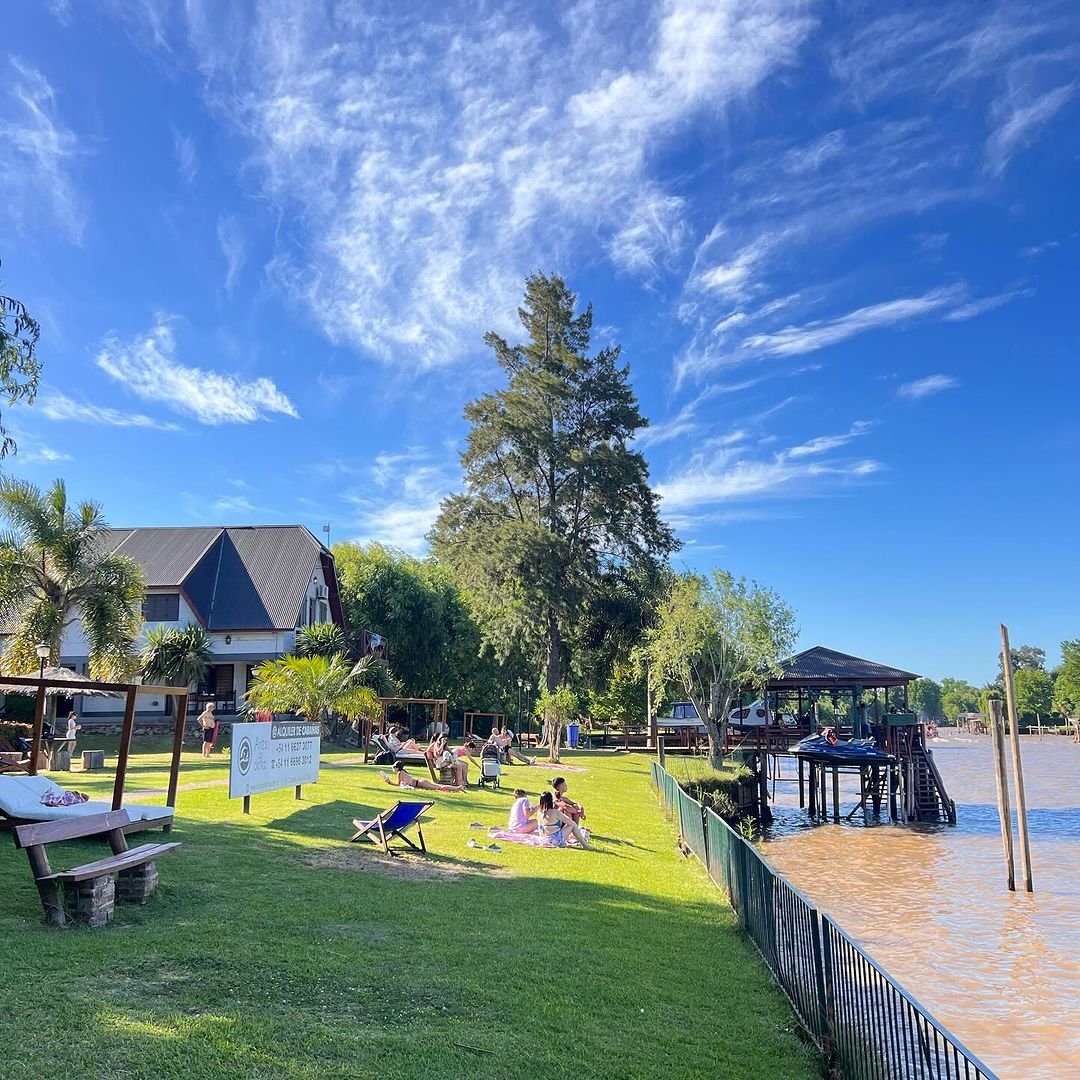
(393, 823)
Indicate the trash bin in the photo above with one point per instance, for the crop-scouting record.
(572, 733)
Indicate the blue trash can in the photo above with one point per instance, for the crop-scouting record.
(572, 733)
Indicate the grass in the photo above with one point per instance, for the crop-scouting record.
(276, 949)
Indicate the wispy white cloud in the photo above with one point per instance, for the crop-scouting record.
(797, 340)
(235, 504)
(822, 444)
(148, 367)
(973, 308)
(39, 152)
(411, 486)
(1018, 119)
(931, 384)
(233, 247)
(57, 406)
(187, 156)
(1035, 250)
(430, 174)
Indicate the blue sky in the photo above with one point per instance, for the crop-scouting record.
(838, 243)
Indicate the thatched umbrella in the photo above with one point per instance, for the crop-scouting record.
(74, 685)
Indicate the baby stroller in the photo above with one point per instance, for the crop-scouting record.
(490, 769)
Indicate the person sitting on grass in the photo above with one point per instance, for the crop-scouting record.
(400, 778)
(506, 745)
(442, 757)
(399, 746)
(556, 826)
(570, 808)
(522, 814)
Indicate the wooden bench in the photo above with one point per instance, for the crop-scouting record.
(90, 890)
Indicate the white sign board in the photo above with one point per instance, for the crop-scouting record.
(266, 757)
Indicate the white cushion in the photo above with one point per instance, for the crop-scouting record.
(20, 796)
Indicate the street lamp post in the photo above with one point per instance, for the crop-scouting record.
(521, 682)
(42, 651)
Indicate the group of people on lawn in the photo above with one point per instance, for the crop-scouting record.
(456, 760)
(556, 817)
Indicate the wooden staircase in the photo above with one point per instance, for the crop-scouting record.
(931, 800)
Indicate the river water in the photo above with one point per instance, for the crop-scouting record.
(1001, 970)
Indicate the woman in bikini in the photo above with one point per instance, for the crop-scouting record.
(400, 778)
(394, 741)
(556, 826)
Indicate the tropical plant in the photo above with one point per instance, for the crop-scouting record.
(717, 638)
(1066, 700)
(313, 687)
(176, 656)
(556, 708)
(320, 639)
(56, 567)
(19, 365)
(371, 672)
(557, 497)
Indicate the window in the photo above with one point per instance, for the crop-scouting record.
(161, 607)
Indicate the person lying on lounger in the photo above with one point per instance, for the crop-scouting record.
(408, 746)
(570, 808)
(522, 814)
(556, 826)
(400, 778)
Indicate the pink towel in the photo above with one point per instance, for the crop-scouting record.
(530, 839)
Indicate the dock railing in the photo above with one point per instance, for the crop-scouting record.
(864, 1022)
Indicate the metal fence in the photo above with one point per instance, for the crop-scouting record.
(858, 1015)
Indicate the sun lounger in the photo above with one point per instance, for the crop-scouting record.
(392, 823)
(20, 804)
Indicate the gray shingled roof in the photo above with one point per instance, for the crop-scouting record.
(166, 556)
(820, 665)
(246, 578)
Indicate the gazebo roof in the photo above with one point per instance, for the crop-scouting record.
(821, 668)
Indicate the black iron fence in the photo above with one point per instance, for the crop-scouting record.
(858, 1015)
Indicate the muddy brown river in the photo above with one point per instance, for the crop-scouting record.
(1001, 970)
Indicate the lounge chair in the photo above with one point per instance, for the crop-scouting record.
(392, 823)
(20, 804)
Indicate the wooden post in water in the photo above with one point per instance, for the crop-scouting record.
(1018, 769)
(997, 731)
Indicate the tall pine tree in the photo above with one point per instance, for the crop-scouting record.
(555, 499)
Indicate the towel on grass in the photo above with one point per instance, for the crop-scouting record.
(529, 839)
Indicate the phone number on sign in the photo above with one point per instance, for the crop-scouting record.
(292, 762)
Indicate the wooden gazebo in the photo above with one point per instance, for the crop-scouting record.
(439, 716)
(129, 692)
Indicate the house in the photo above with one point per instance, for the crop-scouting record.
(250, 587)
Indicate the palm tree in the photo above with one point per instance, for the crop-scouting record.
(311, 686)
(176, 656)
(55, 567)
(320, 639)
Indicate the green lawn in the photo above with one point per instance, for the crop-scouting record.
(276, 949)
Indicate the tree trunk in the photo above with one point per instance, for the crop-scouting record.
(555, 738)
(554, 653)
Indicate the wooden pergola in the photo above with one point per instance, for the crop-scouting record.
(470, 719)
(438, 704)
(130, 692)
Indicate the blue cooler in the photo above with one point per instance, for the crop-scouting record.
(572, 733)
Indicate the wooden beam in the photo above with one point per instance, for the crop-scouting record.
(1001, 779)
(177, 748)
(1018, 769)
(39, 720)
(125, 747)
